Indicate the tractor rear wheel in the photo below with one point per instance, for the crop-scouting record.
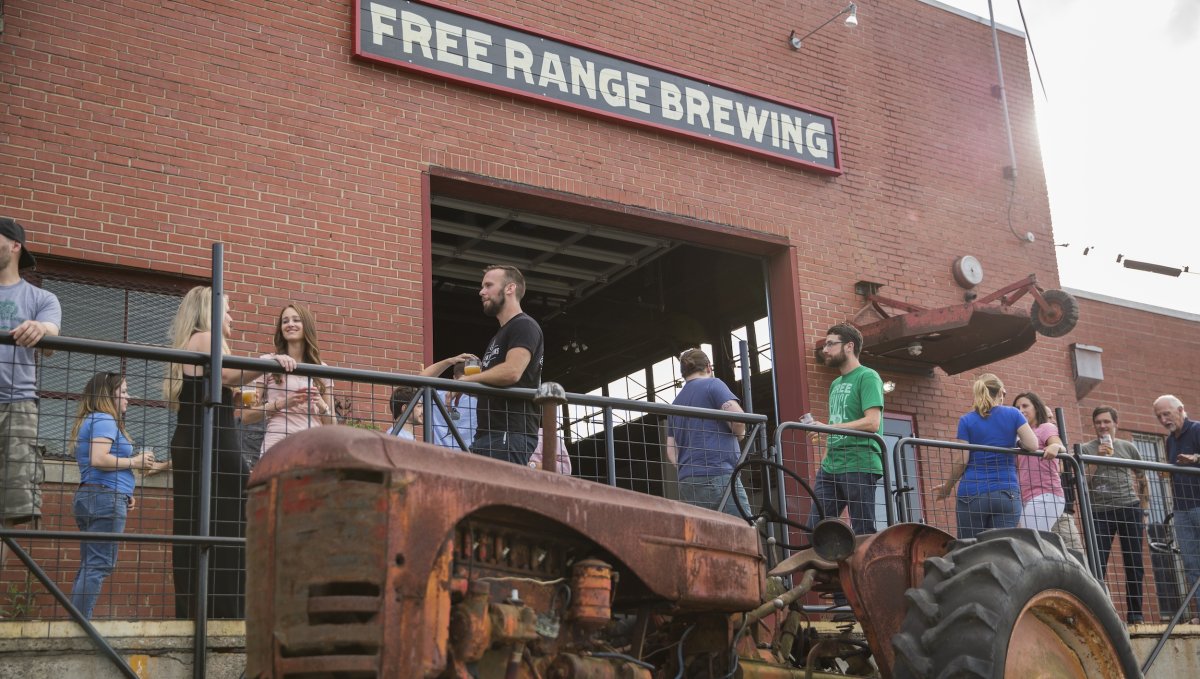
(1059, 315)
(1012, 603)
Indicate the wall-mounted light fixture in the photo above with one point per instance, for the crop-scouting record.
(852, 9)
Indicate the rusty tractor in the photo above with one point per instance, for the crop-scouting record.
(371, 557)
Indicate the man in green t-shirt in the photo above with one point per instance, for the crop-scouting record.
(853, 465)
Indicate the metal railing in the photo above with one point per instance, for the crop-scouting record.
(625, 452)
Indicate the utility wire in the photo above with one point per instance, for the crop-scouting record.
(1032, 53)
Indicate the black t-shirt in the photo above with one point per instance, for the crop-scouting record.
(514, 415)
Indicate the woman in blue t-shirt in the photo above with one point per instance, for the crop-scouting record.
(989, 495)
(106, 463)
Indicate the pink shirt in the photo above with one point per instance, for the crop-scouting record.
(564, 458)
(289, 420)
(1036, 475)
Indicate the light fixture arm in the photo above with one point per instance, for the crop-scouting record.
(851, 9)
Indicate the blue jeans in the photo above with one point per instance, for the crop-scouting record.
(997, 509)
(706, 492)
(1187, 536)
(503, 445)
(97, 510)
(852, 491)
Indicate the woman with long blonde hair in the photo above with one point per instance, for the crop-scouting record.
(291, 403)
(106, 461)
(186, 388)
(989, 495)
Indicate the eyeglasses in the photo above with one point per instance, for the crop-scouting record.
(833, 344)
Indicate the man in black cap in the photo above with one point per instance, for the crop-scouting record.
(28, 314)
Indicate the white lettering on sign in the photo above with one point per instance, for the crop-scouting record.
(477, 51)
(751, 122)
(468, 48)
(415, 30)
(637, 92)
(672, 101)
(447, 40)
(611, 87)
(517, 55)
(551, 72)
(583, 77)
(379, 27)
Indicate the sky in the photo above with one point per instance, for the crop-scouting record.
(1119, 128)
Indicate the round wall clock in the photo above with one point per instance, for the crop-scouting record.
(968, 272)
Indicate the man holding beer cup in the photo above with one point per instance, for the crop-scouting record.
(1120, 497)
(508, 427)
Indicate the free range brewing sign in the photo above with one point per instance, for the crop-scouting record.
(485, 53)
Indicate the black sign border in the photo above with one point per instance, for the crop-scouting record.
(835, 169)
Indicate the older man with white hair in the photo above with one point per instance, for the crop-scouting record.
(1183, 449)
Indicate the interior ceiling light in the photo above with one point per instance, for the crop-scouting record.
(851, 21)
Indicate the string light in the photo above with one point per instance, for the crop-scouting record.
(1138, 265)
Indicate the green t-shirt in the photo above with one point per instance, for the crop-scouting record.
(849, 398)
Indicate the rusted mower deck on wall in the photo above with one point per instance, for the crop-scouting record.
(960, 337)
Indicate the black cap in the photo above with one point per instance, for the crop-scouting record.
(10, 229)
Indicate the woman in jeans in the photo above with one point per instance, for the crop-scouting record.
(1042, 497)
(106, 463)
(989, 495)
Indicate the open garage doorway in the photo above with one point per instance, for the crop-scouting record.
(618, 297)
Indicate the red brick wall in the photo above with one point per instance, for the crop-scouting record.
(1146, 354)
(132, 125)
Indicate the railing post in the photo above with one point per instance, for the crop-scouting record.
(901, 483)
(1083, 497)
(610, 446)
(550, 395)
(203, 509)
(428, 398)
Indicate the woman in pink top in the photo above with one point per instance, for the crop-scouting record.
(1042, 498)
(290, 402)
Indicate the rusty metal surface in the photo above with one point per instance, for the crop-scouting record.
(471, 626)
(323, 599)
(877, 575)
(592, 582)
(955, 338)
(570, 666)
(809, 559)
(753, 669)
(1057, 636)
(388, 528)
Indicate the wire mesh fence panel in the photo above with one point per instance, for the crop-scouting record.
(144, 477)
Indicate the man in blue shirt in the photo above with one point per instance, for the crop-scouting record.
(705, 450)
(1183, 450)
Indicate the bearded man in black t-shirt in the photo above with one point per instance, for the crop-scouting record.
(508, 427)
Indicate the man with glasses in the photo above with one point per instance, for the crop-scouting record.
(853, 465)
(1120, 497)
(28, 314)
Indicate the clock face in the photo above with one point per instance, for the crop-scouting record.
(968, 272)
